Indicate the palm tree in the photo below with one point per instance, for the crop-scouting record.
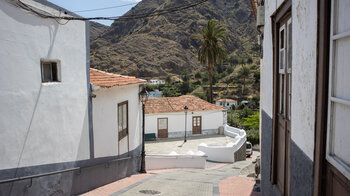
(244, 73)
(212, 50)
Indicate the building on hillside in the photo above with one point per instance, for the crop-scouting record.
(155, 82)
(227, 103)
(305, 93)
(165, 116)
(45, 115)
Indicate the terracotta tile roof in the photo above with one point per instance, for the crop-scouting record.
(105, 79)
(177, 104)
(227, 100)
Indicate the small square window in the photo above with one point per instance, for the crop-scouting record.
(50, 71)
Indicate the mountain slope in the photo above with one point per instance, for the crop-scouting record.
(157, 46)
(96, 29)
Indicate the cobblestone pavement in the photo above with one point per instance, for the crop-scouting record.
(166, 146)
(217, 179)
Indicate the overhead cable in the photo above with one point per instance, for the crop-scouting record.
(44, 14)
(106, 8)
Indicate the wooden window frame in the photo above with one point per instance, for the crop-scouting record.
(281, 14)
(321, 186)
(55, 72)
(124, 132)
(167, 125)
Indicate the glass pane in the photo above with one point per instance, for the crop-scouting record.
(47, 72)
(124, 116)
(162, 123)
(341, 72)
(289, 45)
(289, 95)
(281, 59)
(199, 121)
(282, 93)
(341, 12)
(341, 132)
(282, 39)
(120, 118)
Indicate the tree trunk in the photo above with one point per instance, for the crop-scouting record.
(210, 83)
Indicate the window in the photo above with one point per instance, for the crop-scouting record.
(50, 71)
(123, 120)
(338, 140)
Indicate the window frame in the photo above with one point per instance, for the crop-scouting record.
(333, 100)
(57, 77)
(124, 132)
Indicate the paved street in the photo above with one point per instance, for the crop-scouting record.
(218, 179)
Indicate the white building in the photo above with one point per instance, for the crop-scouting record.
(305, 93)
(48, 143)
(155, 82)
(117, 118)
(166, 116)
(44, 84)
(227, 103)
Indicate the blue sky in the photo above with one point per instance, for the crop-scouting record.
(79, 5)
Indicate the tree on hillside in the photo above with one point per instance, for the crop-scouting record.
(212, 50)
(168, 79)
(242, 62)
(244, 74)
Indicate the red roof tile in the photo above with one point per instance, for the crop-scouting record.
(105, 79)
(177, 104)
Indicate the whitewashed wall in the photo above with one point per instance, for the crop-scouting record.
(211, 120)
(48, 122)
(304, 19)
(105, 119)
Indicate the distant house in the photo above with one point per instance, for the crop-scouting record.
(227, 103)
(116, 108)
(165, 116)
(155, 82)
(305, 97)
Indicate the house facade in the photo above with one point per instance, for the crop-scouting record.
(117, 118)
(44, 99)
(227, 103)
(51, 140)
(305, 138)
(166, 116)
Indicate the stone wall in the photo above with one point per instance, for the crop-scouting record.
(240, 154)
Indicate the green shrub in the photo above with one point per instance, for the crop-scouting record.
(253, 136)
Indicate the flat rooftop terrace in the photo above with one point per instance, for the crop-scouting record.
(167, 145)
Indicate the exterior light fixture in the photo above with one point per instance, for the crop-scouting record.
(144, 97)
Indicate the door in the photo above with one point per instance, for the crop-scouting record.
(162, 127)
(283, 83)
(196, 125)
(338, 123)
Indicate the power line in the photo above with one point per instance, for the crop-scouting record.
(105, 8)
(45, 14)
